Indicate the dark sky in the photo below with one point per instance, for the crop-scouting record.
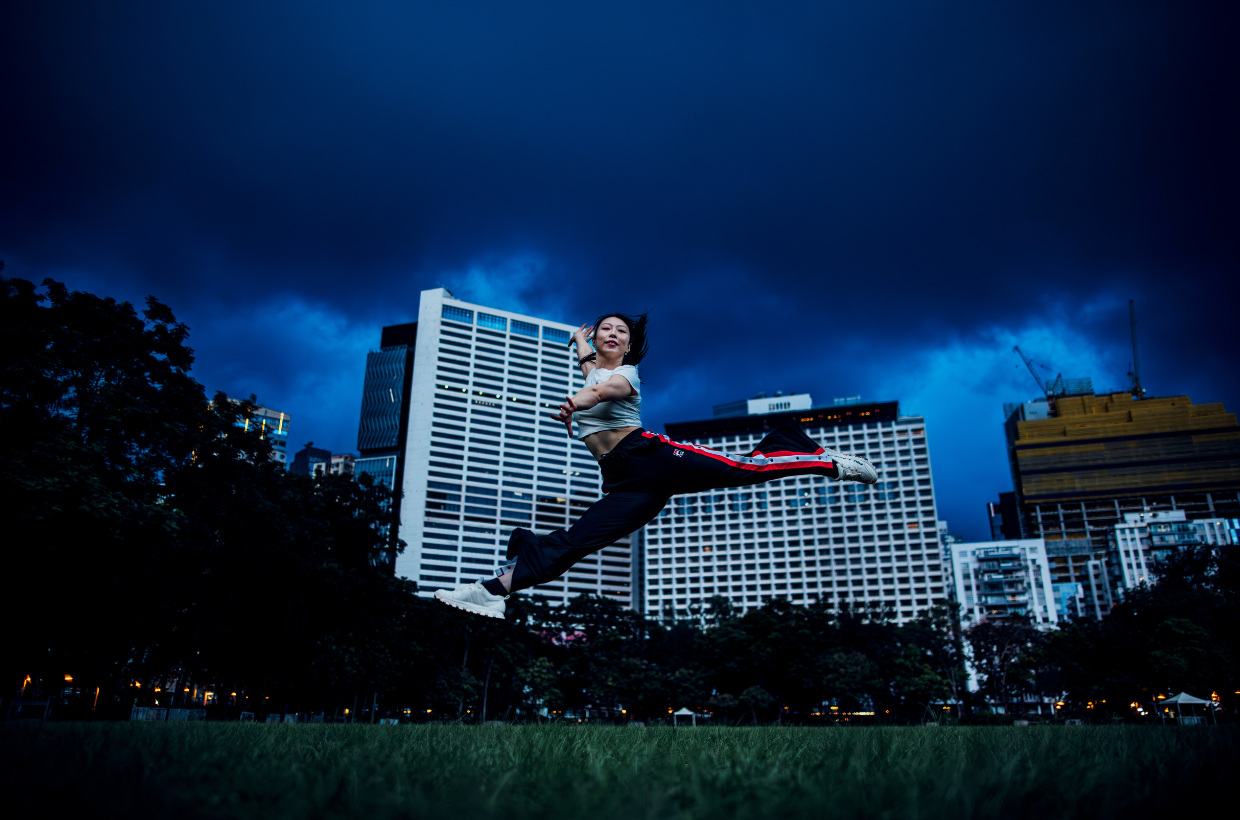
(874, 199)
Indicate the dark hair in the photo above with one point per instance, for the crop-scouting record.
(638, 344)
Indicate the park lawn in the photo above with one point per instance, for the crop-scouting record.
(247, 770)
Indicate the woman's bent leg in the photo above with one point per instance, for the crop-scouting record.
(543, 558)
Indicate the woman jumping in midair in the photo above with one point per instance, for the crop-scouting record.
(641, 470)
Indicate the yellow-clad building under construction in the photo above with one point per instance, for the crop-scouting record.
(1112, 446)
(1080, 463)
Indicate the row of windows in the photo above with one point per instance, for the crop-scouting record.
(449, 367)
(483, 475)
(834, 527)
(492, 322)
(879, 433)
(553, 359)
(749, 599)
(690, 506)
(887, 588)
(557, 444)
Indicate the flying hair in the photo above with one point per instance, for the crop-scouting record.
(638, 344)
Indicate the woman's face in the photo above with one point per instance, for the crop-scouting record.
(611, 336)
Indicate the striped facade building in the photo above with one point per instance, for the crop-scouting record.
(808, 538)
(456, 413)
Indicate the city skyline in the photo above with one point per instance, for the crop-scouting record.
(878, 201)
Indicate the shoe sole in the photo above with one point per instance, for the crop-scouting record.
(464, 606)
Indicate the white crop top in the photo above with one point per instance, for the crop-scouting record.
(611, 415)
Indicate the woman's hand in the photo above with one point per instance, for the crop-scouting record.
(583, 334)
(565, 413)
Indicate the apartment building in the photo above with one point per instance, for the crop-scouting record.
(1006, 579)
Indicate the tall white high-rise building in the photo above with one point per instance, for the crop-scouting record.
(481, 454)
(806, 538)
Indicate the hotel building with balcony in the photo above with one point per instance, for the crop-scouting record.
(1006, 579)
(1019, 578)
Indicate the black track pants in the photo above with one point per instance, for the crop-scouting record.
(640, 475)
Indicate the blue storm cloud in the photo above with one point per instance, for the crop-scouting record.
(875, 199)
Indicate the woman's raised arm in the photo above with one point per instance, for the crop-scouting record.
(582, 338)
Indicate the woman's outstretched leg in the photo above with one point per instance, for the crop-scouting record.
(678, 469)
(543, 558)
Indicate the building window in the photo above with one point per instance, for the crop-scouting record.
(457, 314)
(525, 329)
(493, 322)
(552, 334)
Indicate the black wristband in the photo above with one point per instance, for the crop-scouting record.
(589, 358)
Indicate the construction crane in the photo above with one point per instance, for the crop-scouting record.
(1055, 388)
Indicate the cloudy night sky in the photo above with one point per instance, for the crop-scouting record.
(875, 199)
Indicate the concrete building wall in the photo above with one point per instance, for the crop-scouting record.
(482, 454)
(807, 538)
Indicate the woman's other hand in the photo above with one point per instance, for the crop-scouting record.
(565, 413)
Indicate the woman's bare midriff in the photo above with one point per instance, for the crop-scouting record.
(604, 441)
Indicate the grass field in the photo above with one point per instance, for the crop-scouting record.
(550, 772)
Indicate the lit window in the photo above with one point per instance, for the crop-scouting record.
(525, 329)
(493, 322)
(457, 314)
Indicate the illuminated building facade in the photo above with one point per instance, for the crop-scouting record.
(272, 425)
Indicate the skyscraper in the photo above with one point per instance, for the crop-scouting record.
(807, 538)
(382, 430)
(472, 445)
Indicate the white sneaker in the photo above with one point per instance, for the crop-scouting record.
(473, 598)
(853, 468)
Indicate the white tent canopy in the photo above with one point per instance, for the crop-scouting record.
(1186, 699)
(684, 712)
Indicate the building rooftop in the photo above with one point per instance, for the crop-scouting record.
(814, 416)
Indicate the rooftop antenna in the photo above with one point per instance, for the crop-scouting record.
(1137, 390)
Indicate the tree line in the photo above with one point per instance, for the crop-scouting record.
(153, 542)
